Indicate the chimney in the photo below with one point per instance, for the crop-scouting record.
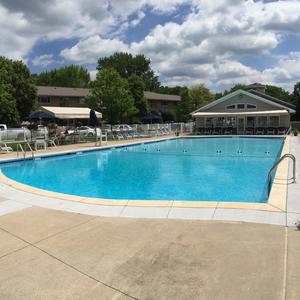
(257, 87)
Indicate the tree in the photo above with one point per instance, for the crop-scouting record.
(236, 87)
(68, 76)
(24, 90)
(295, 97)
(18, 92)
(126, 65)
(278, 92)
(110, 94)
(8, 108)
(200, 96)
(137, 87)
(184, 107)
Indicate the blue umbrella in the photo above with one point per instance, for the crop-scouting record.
(151, 117)
(39, 116)
(93, 119)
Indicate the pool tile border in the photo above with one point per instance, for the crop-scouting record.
(276, 202)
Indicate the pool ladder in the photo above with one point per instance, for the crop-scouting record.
(23, 150)
(288, 155)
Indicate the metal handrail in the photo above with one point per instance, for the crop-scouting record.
(30, 148)
(288, 155)
(22, 150)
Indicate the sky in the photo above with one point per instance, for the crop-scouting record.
(216, 42)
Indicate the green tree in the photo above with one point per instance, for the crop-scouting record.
(68, 76)
(236, 87)
(24, 90)
(200, 96)
(184, 107)
(126, 65)
(278, 92)
(137, 87)
(8, 108)
(110, 94)
(295, 98)
(18, 92)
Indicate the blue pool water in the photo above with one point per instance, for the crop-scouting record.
(193, 169)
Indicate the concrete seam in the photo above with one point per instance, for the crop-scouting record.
(170, 208)
(284, 289)
(83, 273)
(69, 265)
(213, 215)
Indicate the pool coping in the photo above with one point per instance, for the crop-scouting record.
(276, 202)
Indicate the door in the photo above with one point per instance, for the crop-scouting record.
(240, 124)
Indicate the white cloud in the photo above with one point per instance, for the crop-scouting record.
(88, 50)
(207, 46)
(43, 60)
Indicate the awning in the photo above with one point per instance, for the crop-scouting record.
(240, 113)
(69, 112)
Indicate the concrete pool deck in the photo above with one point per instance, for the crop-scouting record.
(50, 254)
(71, 252)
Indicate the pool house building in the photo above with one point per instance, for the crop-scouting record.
(249, 111)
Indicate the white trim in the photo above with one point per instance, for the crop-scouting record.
(214, 103)
(240, 113)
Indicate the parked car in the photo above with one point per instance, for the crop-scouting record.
(122, 127)
(83, 131)
(13, 133)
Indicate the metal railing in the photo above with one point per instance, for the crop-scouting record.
(23, 150)
(20, 149)
(288, 155)
(31, 150)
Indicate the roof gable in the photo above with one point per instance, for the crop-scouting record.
(255, 95)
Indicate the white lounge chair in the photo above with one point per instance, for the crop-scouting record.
(5, 148)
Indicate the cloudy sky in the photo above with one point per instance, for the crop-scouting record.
(217, 42)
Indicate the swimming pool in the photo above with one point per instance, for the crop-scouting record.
(231, 169)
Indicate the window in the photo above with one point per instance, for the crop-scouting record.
(262, 121)
(241, 106)
(44, 99)
(221, 121)
(231, 121)
(164, 103)
(274, 121)
(81, 101)
(250, 121)
(232, 106)
(251, 106)
(209, 122)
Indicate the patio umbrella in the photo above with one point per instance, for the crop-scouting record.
(151, 117)
(40, 116)
(93, 119)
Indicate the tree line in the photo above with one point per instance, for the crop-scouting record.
(117, 91)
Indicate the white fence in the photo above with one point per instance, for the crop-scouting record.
(22, 134)
(171, 127)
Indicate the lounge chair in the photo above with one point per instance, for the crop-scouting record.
(281, 130)
(200, 130)
(228, 130)
(207, 130)
(216, 130)
(271, 130)
(249, 130)
(5, 148)
(53, 141)
(259, 130)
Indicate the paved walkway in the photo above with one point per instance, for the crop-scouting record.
(49, 254)
(55, 254)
